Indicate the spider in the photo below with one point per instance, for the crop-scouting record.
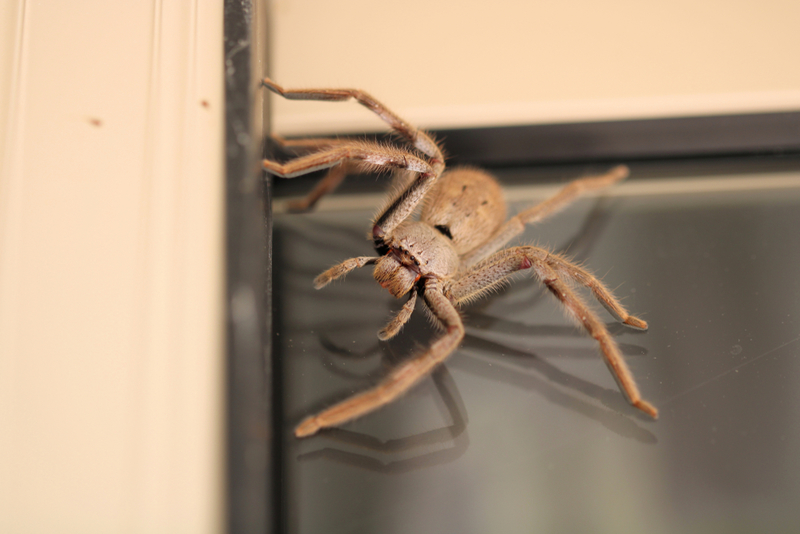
(452, 254)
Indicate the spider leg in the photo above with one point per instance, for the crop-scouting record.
(552, 270)
(335, 175)
(370, 155)
(516, 225)
(327, 185)
(472, 283)
(570, 271)
(398, 321)
(401, 378)
(402, 206)
(337, 271)
(329, 182)
(334, 178)
(418, 138)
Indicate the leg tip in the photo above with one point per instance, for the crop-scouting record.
(620, 172)
(298, 206)
(647, 408)
(386, 334)
(635, 322)
(308, 427)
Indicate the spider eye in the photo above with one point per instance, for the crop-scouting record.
(444, 230)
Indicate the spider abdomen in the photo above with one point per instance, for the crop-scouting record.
(466, 205)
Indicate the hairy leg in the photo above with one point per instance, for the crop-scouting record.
(403, 205)
(337, 271)
(327, 185)
(418, 138)
(555, 272)
(400, 379)
(398, 321)
(516, 225)
(371, 156)
(570, 271)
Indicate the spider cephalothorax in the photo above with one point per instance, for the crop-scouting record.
(416, 250)
(452, 254)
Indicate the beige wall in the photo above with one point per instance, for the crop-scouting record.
(464, 63)
(111, 119)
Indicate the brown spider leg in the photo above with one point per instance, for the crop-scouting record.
(337, 271)
(516, 225)
(330, 181)
(472, 284)
(401, 378)
(370, 155)
(419, 139)
(570, 271)
(398, 321)
(498, 267)
(327, 185)
(400, 207)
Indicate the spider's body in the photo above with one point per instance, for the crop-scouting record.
(452, 254)
(466, 204)
(461, 210)
(416, 251)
